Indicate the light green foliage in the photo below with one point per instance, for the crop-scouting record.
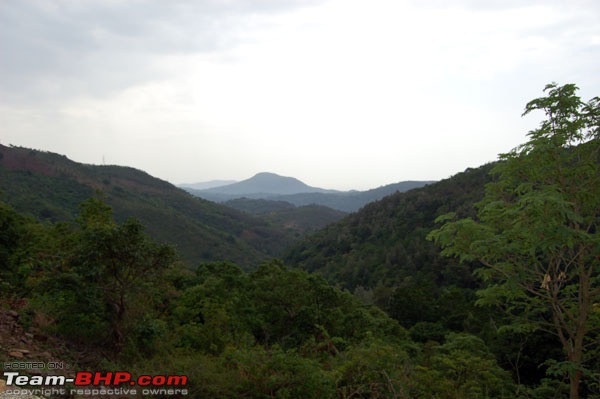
(462, 368)
(537, 228)
(271, 306)
(285, 333)
(214, 312)
(373, 369)
(293, 307)
(274, 373)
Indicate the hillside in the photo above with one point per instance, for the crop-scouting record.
(349, 201)
(384, 243)
(297, 220)
(51, 187)
(381, 254)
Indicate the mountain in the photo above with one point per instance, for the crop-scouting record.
(273, 187)
(349, 201)
(264, 184)
(50, 187)
(380, 192)
(205, 185)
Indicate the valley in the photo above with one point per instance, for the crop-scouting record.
(273, 187)
(453, 289)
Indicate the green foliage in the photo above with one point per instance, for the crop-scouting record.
(273, 373)
(208, 377)
(48, 198)
(274, 332)
(373, 369)
(14, 229)
(462, 368)
(94, 284)
(384, 244)
(381, 253)
(425, 331)
(536, 233)
(229, 307)
(50, 187)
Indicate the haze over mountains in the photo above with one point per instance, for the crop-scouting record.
(258, 186)
(270, 186)
(51, 187)
(208, 184)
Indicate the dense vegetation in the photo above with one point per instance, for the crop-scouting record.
(545, 199)
(273, 332)
(377, 312)
(385, 242)
(297, 220)
(50, 187)
(536, 232)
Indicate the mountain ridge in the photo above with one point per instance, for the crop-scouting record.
(50, 187)
(386, 239)
(206, 184)
(264, 183)
(271, 186)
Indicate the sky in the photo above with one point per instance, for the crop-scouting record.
(341, 94)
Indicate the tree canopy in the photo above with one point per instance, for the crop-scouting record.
(536, 231)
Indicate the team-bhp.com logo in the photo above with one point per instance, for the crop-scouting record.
(99, 383)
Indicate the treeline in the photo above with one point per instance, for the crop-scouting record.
(107, 289)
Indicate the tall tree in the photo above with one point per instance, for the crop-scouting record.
(119, 261)
(537, 230)
(97, 281)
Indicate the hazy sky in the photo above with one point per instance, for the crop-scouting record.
(340, 94)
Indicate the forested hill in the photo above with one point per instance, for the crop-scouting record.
(384, 243)
(382, 255)
(51, 187)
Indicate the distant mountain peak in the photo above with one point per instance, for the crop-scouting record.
(271, 186)
(271, 176)
(266, 174)
(266, 183)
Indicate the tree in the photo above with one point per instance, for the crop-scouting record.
(537, 230)
(461, 368)
(98, 279)
(11, 232)
(119, 261)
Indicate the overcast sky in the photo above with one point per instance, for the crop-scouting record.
(338, 93)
